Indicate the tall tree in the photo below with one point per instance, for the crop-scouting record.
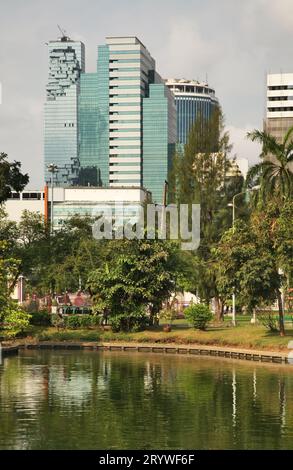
(200, 176)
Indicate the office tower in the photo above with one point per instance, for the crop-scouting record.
(88, 119)
(66, 62)
(279, 115)
(112, 128)
(193, 100)
(132, 98)
(159, 137)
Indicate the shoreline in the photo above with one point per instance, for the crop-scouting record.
(252, 355)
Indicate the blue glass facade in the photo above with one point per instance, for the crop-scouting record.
(88, 123)
(159, 137)
(103, 113)
(66, 63)
(193, 100)
(188, 110)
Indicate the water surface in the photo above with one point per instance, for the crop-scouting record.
(109, 400)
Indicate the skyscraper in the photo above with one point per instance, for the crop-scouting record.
(134, 89)
(118, 124)
(132, 130)
(66, 63)
(193, 99)
(279, 115)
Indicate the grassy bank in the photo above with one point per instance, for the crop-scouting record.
(243, 336)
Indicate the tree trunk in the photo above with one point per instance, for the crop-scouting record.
(281, 313)
(219, 310)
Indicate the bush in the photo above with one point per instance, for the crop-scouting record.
(198, 315)
(169, 314)
(41, 318)
(76, 321)
(15, 321)
(270, 321)
(136, 321)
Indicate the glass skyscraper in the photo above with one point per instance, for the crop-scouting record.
(159, 137)
(66, 63)
(133, 128)
(119, 121)
(193, 100)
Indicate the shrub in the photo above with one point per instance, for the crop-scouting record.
(41, 318)
(16, 321)
(72, 322)
(169, 314)
(76, 321)
(198, 315)
(270, 321)
(135, 321)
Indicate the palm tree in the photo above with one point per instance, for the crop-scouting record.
(274, 173)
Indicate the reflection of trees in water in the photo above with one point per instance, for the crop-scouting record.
(109, 400)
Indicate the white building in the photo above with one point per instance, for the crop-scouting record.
(70, 201)
(279, 105)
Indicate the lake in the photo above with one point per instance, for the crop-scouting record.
(120, 400)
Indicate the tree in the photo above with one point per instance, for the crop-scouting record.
(200, 177)
(12, 318)
(246, 262)
(275, 172)
(11, 177)
(283, 240)
(136, 274)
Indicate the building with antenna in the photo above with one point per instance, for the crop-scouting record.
(193, 99)
(279, 104)
(66, 59)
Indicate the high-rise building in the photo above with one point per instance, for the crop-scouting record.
(118, 123)
(136, 128)
(66, 63)
(279, 109)
(193, 100)
(88, 119)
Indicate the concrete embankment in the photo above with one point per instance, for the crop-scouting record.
(196, 350)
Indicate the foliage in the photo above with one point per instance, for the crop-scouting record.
(245, 262)
(76, 321)
(11, 177)
(168, 314)
(137, 274)
(198, 315)
(135, 321)
(269, 320)
(41, 318)
(15, 321)
(274, 173)
(200, 175)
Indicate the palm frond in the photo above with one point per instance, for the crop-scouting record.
(288, 138)
(269, 142)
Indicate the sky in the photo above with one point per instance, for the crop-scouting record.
(231, 43)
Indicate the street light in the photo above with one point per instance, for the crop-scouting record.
(232, 204)
(52, 168)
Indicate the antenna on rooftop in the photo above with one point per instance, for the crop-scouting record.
(64, 37)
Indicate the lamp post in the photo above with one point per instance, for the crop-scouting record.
(21, 278)
(52, 168)
(232, 204)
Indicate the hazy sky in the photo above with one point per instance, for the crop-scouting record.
(232, 42)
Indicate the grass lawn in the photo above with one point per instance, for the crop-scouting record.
(244, 335)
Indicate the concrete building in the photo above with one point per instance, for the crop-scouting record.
(193, 100)
(32, 200)
(279, 105)
(66, 62)
(71, 201)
